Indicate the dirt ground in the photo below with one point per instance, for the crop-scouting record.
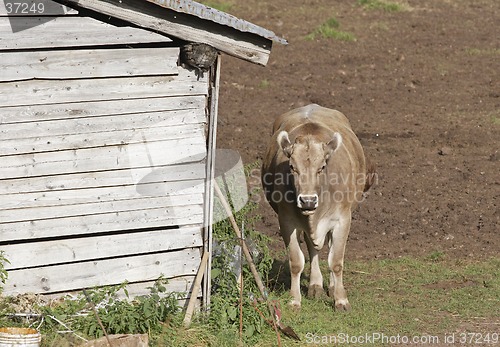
(421, 89)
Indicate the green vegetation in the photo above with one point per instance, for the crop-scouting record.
(3, 273)
(388, 6)
(264, 84)
(330, 29)
(478, 51)
(410, 297)
(432, 296)
(218, 5)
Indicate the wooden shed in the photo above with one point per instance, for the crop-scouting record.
(107, 140)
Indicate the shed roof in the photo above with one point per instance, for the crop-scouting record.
(206, 12)
(190, 21)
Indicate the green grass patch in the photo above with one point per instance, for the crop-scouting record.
(423, 297)
(478, 51)
(264, 84)
(388, 6)
(218, 5)
(330, 30)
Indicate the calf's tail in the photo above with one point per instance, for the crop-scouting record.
(371, 175)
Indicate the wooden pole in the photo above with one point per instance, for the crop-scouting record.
(195, 291)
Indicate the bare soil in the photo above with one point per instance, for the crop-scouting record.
(421, 89)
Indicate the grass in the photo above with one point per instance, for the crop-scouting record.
(388, 6)
(330, 29)
(264, 84)
(218, 5)
(478, 51)
(426, 298)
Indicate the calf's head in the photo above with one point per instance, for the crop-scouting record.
(308, 162)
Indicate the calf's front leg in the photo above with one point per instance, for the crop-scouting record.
(337, 245)
(296, 262)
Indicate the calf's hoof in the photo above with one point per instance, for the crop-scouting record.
(294, 304)
(342, 305)
(315, 291)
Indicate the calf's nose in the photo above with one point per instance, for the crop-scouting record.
(307, 202)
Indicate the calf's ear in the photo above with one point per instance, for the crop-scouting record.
(333, 145)
(284, 143)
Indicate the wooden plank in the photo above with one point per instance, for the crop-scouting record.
(166, 173)
(69, 32)
(101, 139)
(136, 155)
(89, 63)
(44, 253)
(26, 214)
(75, 276)
(181, 285)
(240, 44)
(210, 173)
(105, 222)
(34, 8)
(37, 92)
(99, 194)
(38, 113)
(90, 125)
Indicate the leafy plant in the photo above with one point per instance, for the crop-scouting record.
(144, 314)
(3, 273)
(226, 263)
(330, 29)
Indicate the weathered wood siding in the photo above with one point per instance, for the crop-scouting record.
(103, 157)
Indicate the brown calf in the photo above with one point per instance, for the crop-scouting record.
(313, 175)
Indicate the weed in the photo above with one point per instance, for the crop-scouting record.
(3, 273)
(329, 29)
(495, 119)
(226, 265)
(264, 84)
(436, 256)
(381, 5)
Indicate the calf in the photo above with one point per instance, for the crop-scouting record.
(314, 174)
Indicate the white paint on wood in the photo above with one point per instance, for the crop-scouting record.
(89, 63)
(89, 125)
(166, 173)
(69, 31)
(36, 92)
(158, 132)
(102, 272)
(79, 196)
(190, 31)
(105, 222)
(46, 253)
(38, 113)
(135, 155)
(79, 208)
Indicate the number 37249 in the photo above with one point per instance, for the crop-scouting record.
(20, 8)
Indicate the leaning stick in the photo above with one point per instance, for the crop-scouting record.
(196, 289)
(248, 256)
